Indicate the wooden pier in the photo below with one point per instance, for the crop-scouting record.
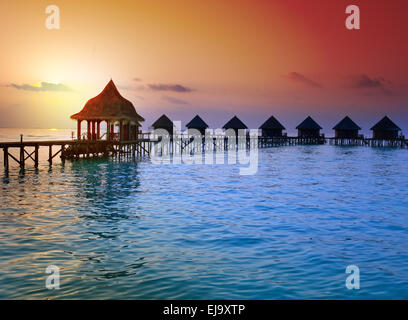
(142, 147)
(368, 142)
(71, 149)
(265, 142)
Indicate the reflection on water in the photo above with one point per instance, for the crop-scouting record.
(138, 230)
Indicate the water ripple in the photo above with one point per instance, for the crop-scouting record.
(138, 230)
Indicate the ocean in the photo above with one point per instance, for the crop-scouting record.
(137, 230)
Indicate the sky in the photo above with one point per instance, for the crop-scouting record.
(215, 58)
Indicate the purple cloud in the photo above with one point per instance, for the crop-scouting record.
(365, 82)
(174, 100)
(169, 87)
(302, 79)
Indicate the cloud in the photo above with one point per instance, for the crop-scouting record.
(131, 88)
(139, 88)
(43, 86)
(301, 78)
(174, 100)
(120, 87)
(169, 87)
(365, 82)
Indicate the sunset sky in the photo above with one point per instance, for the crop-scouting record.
(217, 58)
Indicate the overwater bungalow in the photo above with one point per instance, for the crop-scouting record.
(272, 128)
(385, 129)
(111, 107)
(164, 123)
(197, 123)
(309, 128)
(346, 128)
(235, 124)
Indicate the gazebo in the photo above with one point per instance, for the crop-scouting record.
(111, 107)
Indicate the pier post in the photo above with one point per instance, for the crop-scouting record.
(36, 156)
(63, 154)
(50, 154)
(6, 160)
(22, 157)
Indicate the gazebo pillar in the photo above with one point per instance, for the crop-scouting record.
(93, 130)
(98, 130)
(121, 130)
(107, 130)
(112, 130)
(88, 122)
(134, 130)
(126, 131)
(79, 129)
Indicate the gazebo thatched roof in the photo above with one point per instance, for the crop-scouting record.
(108, 105)
(385, 124)
(309, 124)
(346, 124)
(235, 123)
(197, 123)
(272, 123)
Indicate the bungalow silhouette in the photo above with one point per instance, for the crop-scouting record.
(272, 128)
(110, 107)
(385, 129)
(235, 124)
(309, 128)
(164, 123)
(346, 128)
(198, 124)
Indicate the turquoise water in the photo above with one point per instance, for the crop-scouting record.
(128, 230)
